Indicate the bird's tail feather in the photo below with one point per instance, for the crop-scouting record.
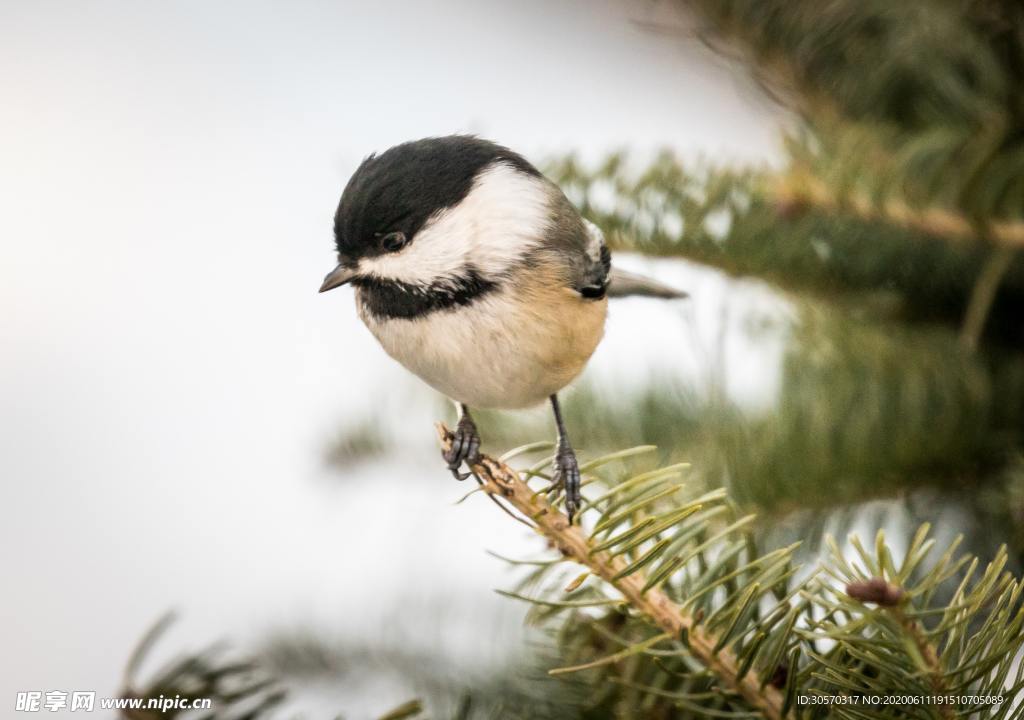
(624, 284)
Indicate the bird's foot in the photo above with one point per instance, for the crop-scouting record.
(566, 477)
(465, 446)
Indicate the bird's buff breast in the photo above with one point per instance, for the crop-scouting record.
(501, 351)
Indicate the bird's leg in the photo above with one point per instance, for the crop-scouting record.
(566, 469)
(465, 445)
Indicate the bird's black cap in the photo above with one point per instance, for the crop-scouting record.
(398, 190)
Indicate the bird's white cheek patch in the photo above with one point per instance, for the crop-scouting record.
(504, 216)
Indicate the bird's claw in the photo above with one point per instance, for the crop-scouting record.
(465, 447)
(566, 477)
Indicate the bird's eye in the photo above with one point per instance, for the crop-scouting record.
(392, 241)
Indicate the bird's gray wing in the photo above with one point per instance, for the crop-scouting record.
(578, 246)
(601, 279)
(581, 245)
(596, 264)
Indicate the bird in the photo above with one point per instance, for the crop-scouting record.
(475, 272)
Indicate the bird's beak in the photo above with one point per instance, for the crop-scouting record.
(337, 277)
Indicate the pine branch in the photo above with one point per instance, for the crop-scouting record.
(503, 483)
(680, 621)
(233, 686)
(799, 232)
(799, 190)
(911, 116)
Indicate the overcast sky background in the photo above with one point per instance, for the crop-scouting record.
(169, 376)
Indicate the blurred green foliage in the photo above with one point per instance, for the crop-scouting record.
(929, 90)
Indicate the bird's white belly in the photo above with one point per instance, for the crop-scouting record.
(502, 351)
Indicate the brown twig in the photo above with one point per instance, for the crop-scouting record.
(802, 190)
(936, 676)
(891, 598)
(500, 480)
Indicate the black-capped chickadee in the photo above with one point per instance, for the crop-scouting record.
(476, 273)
